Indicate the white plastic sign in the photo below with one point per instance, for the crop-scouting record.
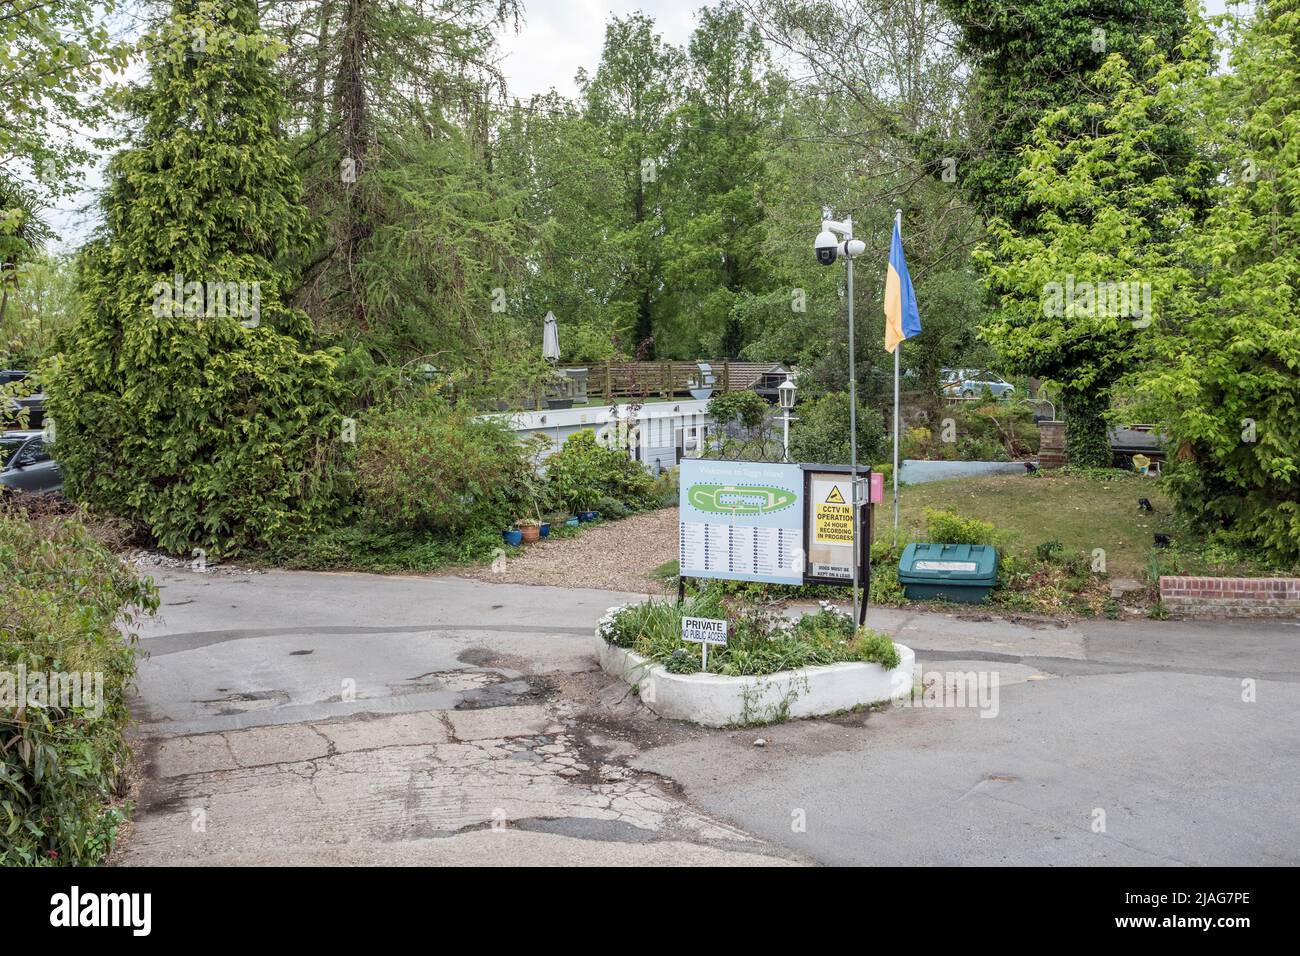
(704, 630)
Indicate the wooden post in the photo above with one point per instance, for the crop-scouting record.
(609, 380)
(726, 375)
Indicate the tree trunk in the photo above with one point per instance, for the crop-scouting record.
(354, 129)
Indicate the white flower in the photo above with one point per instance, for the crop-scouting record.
(605, 626)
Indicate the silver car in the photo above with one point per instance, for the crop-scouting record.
(26, 463)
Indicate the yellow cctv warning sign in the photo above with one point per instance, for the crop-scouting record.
(833, 519)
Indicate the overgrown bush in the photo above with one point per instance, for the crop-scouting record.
(744, 408)
(62, 761)
(611, 508)
(584, 471)
(430, 467)
(666, 490)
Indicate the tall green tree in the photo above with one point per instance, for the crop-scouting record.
(713, 216)
(570, 206)
(192, 400)
(1225, 378)
(1080, 286)
(631, 98)
(52, 55)
(389, 102)
(1030, 59)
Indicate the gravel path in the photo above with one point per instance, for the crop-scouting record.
(613, 555)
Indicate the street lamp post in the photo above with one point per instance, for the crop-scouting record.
(785, 392)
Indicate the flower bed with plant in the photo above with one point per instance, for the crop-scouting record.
(759, 641)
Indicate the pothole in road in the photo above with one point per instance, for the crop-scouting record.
(242, 702)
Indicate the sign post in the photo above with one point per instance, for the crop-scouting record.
(776, 523)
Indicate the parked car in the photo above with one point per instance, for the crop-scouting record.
(972, 383)
(11, 412)
(26, 463)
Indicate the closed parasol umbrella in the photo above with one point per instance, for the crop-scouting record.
(551, 339)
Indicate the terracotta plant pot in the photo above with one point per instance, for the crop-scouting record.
(531, 532)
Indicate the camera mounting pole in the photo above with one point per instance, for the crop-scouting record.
(850, 248)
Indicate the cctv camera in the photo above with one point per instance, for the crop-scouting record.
(827, 247)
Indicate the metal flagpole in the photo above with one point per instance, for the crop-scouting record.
(853, 442)
(898, 223)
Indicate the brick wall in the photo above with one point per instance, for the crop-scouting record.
(1232, 597)
(1051, 445)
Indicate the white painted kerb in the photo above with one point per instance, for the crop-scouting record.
(715, 700)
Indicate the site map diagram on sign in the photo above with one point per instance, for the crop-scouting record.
(741, 520)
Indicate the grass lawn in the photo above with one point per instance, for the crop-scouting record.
(1082, 513)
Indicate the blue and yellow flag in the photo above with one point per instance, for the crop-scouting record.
(902, 321)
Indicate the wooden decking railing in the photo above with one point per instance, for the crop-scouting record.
(666, 379)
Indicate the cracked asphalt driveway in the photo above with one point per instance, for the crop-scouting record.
(352, 719)
(355, 719)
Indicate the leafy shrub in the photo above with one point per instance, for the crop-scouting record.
(884, 587)
(584, 471)
(61, 766)
(427, 466)
(665, 489)
(990, 430)
(821, 436)
(947, 527)
(611, 508)
(758, 642)
(1048, 550)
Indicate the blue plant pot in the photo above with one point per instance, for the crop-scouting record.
(513, 538)
(588, 515)
(571, 522)
(546, 530)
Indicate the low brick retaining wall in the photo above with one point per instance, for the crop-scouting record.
(1232, 597)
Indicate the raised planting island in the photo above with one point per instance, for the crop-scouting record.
(772, 667)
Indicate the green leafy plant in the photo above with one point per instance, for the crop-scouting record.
(62, 762)
(947, 527)
(821, 435)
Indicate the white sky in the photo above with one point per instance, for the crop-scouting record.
(559, 36)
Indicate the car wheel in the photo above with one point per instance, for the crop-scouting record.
(968, 394)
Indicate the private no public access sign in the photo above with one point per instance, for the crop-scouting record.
(704, 630)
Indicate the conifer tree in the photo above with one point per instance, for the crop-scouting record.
(192, 400)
